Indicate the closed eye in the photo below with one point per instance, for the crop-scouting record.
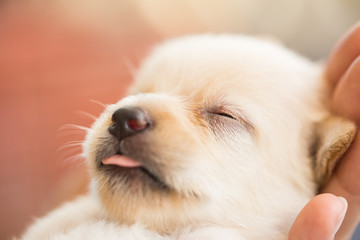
(223, 114)
(221, 119)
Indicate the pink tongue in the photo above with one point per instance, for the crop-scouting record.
(121, 161)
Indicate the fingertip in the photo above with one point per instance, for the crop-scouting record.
(330, 209)
(320, 218)
(342, 211)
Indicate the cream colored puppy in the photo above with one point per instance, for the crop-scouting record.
(221, 137)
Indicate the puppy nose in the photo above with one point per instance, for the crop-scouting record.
(128, 121)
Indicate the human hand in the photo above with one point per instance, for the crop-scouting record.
(321, 218)
(343, 71)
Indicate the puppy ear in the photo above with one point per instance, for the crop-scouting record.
(333, 137)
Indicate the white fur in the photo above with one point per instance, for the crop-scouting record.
(249, 185)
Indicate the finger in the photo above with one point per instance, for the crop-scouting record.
(345, 182)
(343, 71)
(319, 219)
(346, 97)
(343, 54)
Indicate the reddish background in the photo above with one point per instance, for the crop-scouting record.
(49, 70)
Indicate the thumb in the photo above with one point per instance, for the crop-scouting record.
(320, 219)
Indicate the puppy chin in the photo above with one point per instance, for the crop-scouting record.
(163, 212)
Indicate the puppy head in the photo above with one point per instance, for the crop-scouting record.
(215, 127)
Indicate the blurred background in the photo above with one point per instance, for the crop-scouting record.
(60, 60)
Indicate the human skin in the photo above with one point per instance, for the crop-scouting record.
(321, 217)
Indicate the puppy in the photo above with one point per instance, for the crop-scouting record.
(221, 137)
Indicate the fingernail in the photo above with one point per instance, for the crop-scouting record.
(342, 215)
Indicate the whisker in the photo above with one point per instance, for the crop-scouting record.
(79, 159)
(70, 153)
(75, 141)
(76, 146)
(86, 114)
(99, 103)
(130, 66)
(73, 127)
(71, 134)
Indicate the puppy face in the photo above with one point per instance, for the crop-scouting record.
(216, 129)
